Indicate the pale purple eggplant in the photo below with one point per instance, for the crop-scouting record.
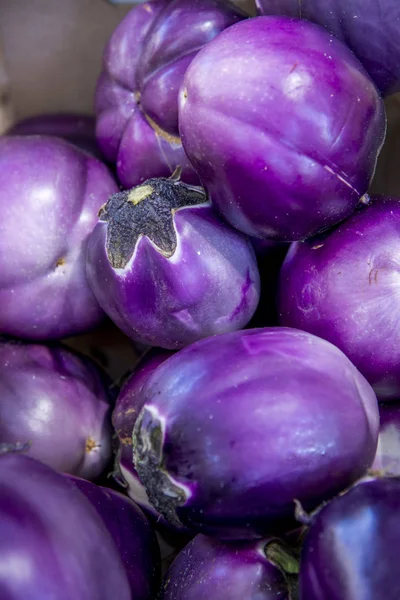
(50, 195)
(167, 270)
(59, 404)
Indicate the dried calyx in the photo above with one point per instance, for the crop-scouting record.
(146, 210)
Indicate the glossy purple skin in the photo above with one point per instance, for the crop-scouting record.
(132, 534)
(127, 407)
(286, 142)
(239, 425)
(57, 402)
(181, 29)
(53, 544)
(349, 550)
(75, 128)
(387, 459)
(344, 287)
(207, 568)
(210, 284)
(123, 133)
(50, 194)
(371, 28)
(143, 66)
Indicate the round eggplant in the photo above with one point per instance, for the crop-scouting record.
(207, 568)
(348, 552)
(50, 194)
(53, 544)
(167, 270)
(344, 287)
(132, 534)
(58, 403)
(371, 28)
(286, 142)
(236, 427)
(136, 97)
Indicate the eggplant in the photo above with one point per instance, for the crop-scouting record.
(238, 426)
(371, 28)
(53, 544)
(285, 136)
(348, 551)
(208, 568)
(167, 270)
(343, 286)
(136, 96)
(50, 194)
(132, 534)
(59, 404)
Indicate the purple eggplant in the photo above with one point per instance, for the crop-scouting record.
(75, 128)
(371, 28)
(59, 404)
(236, 427)
(53, 544)
(143, 67)
(348, 552)
(50, 194)
(167, 270)
(127, 407)
(286, 142)
(209, 569)
(132, 534)
(387, 458)
(343, 286)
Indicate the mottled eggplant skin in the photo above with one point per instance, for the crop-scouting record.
(349, 549)
(143, 66)
(167, 270)
(236, 427)
(78, 129)
(58, 403)
(208, 568)
(132, 533)
(50, 195)
(371, 28)
(53, 544)
(286, 142)
(387, 458)
(344, 287)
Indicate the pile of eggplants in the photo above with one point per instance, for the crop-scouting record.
(216, 210)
